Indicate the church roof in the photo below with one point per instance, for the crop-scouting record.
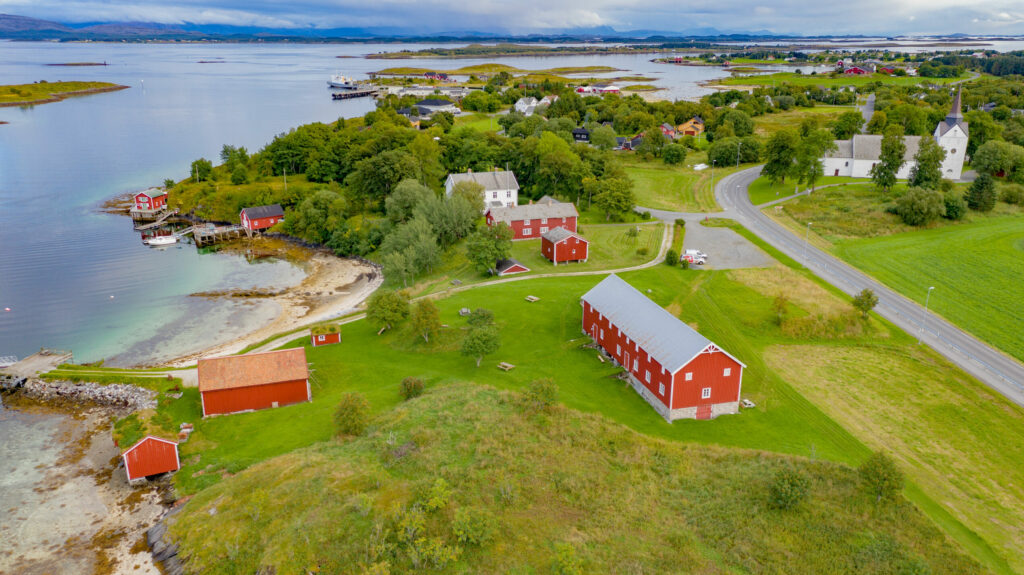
(953, 119)
(869, 147)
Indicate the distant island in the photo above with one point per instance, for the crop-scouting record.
(79, 64)
(46, 92)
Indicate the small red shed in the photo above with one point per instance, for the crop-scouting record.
(150, 200)
(678, 371)
(509, 267)
(256, 381)
(533, 220)
(261, 217)
(325, 335)
(150, 456)
(561, 245)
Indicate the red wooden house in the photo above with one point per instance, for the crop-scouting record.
(150, 456)
(325, 335)
(681, 373)
(255, 381)
(854, 70)
(261, 217)
(561, 245)
(150, 200)
(533, 220)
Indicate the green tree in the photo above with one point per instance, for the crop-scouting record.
(865, 301)
(387, 309)
(352, 415)
(810, 156)
(780, 155)
(481, 341)
(472, 192)
(994, 157)
(417, 240)
(983, 128)
(881, 477)
(398, 265)
(202, 169)
(927, 172)
(480, 317)
(169, 183)
(488, 245)
(559, 170)
(780, 306)
(239, 175)
(847, 124)
(673, 154)
(956, 205)
(451, 218)
(376, 176)
(316, 217)
(671, 257)
(408, 194)
(919, 206)
(740, 122)
(615, 196)
(426, 153)
(789, 487)
(981, 197)
(426, 319)
(890, 160)
(603, 137)
(653, 143)
(878, 122)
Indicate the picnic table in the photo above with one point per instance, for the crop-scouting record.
(506, 366)
(532, 298)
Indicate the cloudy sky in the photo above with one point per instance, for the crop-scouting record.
(807, 17)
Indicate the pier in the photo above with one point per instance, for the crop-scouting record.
(157, 222)
(353, 94)
(140, 215)
(210, 234)
(40, 362)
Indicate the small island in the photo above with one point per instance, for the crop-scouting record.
(44, 92)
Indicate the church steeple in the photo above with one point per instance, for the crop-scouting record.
(954, 112)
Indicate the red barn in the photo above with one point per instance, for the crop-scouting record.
(255, 381)
(855, 70)
(509, 267)
(150, 200)
(561, 245)
(325, 336)
(533, 220)
(681, 373)
(150, 456)
(261, 217)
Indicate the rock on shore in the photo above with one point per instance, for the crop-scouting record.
(112, 395)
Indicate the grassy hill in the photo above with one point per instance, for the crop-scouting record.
(46, 92)
(558, 492)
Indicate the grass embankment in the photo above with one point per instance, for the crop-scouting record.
(220, 200)
(762, 191)
(675, 188)
(768, 124)
(478, 121)
(975, 264)
(829, 81)
(559, 492)
(47, 92)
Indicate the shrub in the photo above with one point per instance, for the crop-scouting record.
(473, 527)
(956, 205)
(673, 154)
(881, 477)
(632, 232)
(672, 257)
(438, 495)
(411, 387)
(684, 264)
(352, 414)
(645, 215)
(982, 195)
(1013, 194)
(481, 317)
(566, 561)
(865, 301)
(788, 488)
(919, 207)
(681, 222)
(540, 395)
(642, 251)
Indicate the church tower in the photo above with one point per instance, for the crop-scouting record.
(951, 134)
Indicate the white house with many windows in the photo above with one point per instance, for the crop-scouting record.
(500, 187)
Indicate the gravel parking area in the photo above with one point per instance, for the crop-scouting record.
(725, 248)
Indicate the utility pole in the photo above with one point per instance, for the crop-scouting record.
(806, 235)
(285, 179)
(739, 145)
(924, 316)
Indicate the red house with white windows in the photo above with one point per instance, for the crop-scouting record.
(150, 200)
(324, 337)
(561, 245)
(150, 456)
(534, 220)
(854, 70)
(261, 217)
(255, 381)
(681, 373)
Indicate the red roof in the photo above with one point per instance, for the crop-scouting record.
(236, 371)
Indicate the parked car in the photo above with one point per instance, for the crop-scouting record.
(695, 257)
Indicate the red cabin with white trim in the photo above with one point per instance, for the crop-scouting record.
(255, 381)
(534, 220)
(150, 200)
(150, 456)
(561, 245)
(261, 217)
(318, 339)
(678, 371)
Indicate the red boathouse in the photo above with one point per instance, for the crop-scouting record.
(561, 245)
(256, 381)
(325, 335)
(150, 200)
(150, 456)
(533, 220)
(261, 217)
(681, 373)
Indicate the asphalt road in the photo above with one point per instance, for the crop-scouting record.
(867, 110)
(994, 368)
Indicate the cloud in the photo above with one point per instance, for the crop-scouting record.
(804, 17)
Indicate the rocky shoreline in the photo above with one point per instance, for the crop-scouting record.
(56, 392)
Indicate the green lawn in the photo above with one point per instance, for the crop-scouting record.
(50, 91)
(976, 269)
(675, 188)
(478, 121)
(828, 81)
(768, 124)
(761, 191)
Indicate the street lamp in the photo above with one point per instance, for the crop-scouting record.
(924, 316)
(712, 176)
(806, 235)
(738, 146)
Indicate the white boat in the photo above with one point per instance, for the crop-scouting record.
(161, 241)
(343, 82)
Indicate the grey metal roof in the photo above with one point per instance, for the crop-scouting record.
(503, 266)
(558, 234)
(534, 212)
(844, 149)
(662, 335)
(434, 103)
(869, 147)
(271, 211)
(153, 192)
(497, 180)
(546, 199)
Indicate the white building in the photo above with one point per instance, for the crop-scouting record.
(526, 106)
(856, 156)
(500, 187)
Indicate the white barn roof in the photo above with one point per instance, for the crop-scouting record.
(496, 180)
(662, 335)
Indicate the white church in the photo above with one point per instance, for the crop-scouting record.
(856, 156)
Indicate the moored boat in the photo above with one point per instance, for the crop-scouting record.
(161, 241)
(343, 82)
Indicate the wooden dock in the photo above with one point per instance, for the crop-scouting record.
(158, 222)
(209, 235)
(353, 94)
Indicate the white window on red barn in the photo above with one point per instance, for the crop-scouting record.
(319, 338)
(705, 393)
(527, 231)
(636, 365)
(689, 376)
(727, 372)
(661, 389)
(647, 376)
(602, 334)
(618, 350)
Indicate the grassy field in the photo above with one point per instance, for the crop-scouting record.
(959, 441)
(768, 124)
(479, 122)
(40, 93)
(675, 188)
(827, 81)
(762, 191)
(543, 492)
(975, 267)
